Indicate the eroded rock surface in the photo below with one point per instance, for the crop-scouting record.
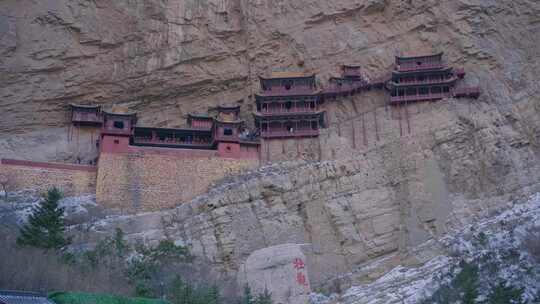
(373, 197)
(165, 59)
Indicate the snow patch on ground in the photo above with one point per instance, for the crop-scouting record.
(21, 204)
(497, 238)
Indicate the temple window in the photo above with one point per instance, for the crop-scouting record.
(227, 131)
(288, 85)
(288, 105)
(116, 141)
(118, 124)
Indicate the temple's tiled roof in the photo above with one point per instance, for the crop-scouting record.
(120, 110)
(199, 115)
(85, 106)
(288, 74)
(413, 57)
(18, 297)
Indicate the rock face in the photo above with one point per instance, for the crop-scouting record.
(280, 270)
(167, 58)
(373, 197)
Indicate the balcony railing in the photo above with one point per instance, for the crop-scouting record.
(281, 91)
(423, 66)
(87, 118)
(117, 131)
(473, 92)
(425, 81)
(419, 97)
(226, 137)
(285, 133)
(170, 142)
(274, 111)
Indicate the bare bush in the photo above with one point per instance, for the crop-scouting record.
(6, 182)
(42, 270)
(532, 243)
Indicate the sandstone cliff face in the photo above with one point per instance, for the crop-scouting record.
(373, 196)
(167, 58)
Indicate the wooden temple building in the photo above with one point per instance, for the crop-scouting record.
(86, 115)
(425, 78)
(350, 82)
(225, 132)
(289, 106)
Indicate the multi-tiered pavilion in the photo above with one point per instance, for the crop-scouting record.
(425, 78)
(350, 82)
(288, 106)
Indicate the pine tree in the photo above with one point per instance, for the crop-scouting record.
(212, 295)
(264, 298)
(247, 297)
(45, 227)
(177, 293)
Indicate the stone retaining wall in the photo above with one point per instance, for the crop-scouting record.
(146, 181)
(70, 178)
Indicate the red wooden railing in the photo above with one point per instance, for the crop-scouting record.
(281, 91)
(467, 92)
(272, 111)
(221, 137)
(26, 163)
(87, 117)
(284, 133)
(426, 81)
(170, 142)
(416, 67)
(419, 97)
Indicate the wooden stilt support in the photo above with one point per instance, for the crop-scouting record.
(399, 119)
(268, 152)
(407, 117)
(69, 133)
(78, 141)
(339, 129)
(319, 147)
(261, 147)
(282, 147)
(354, 105)
(353, 135)
(297, 148)
(376, 125)
(364, 138)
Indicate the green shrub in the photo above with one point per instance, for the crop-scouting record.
(463, 287)
(263, 298)
(181, 292)
(502, 294)
(88, 298)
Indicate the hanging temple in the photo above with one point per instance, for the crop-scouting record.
(138, 166)
(289, 105)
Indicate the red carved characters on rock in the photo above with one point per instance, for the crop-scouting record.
(299, 265)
